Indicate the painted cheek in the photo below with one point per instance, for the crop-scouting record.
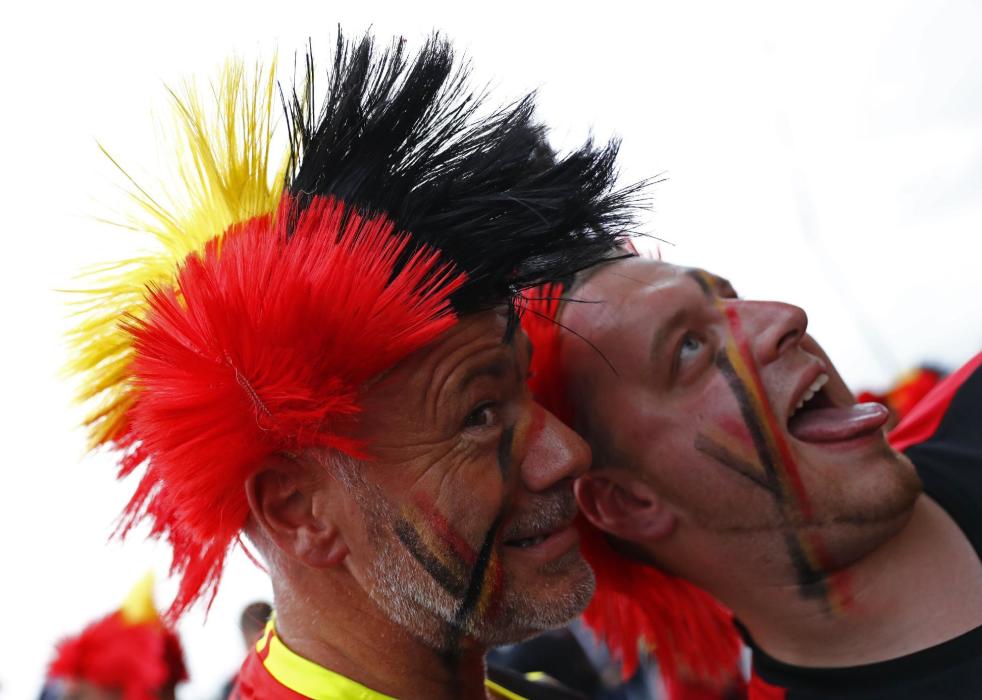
(447, 537)
(443, 570)
(779, 471)
(483, 588)
(735, 431)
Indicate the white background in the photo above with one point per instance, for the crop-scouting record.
(828, 154)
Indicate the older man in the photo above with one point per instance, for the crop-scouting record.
(729, 454)
(331, 366)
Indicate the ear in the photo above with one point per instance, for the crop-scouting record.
(617, 502)
(289, 500)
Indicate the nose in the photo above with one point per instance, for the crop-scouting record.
(554, 452)
(772, 328)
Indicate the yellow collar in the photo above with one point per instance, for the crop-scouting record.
(318, 683)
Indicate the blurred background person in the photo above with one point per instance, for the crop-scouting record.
(129, 654)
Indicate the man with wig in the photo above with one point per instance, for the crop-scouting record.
(326, 361)
(130, 654)
(733, 467)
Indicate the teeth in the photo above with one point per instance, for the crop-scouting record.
(810, 392)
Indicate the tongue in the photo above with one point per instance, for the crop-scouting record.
(838, 424)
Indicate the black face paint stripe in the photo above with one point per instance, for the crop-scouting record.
(700, 279)
(750, 420)
(504, 451)
(443, 576)
(812, 583)
(473, 594)
(724, 456)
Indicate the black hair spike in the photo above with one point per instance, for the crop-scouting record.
(404, 137)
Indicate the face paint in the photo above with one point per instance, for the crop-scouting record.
(807, 550)
(480, 589)
(447, 578)
(448, 538)
(475, 579)
(721, 449)
(505, 451)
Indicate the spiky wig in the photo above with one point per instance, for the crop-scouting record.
(130, 650)
(281, 289)
(691, 634)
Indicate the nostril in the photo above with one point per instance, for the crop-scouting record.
(789, 339)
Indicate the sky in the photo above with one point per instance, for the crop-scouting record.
(825, 154)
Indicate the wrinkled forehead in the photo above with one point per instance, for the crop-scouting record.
(480, 342)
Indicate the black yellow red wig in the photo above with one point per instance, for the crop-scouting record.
(283, 282)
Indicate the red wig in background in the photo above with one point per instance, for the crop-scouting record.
(130, 650)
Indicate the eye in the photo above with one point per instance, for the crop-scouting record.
(487, 415)
(691, 354)
(690, 346)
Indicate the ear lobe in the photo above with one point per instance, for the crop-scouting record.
(287, 504)
(626, 507)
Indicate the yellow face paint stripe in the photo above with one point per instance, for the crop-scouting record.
(431, 540)
(742, 364)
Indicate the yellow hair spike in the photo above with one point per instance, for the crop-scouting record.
(138, 608)
(224, 176)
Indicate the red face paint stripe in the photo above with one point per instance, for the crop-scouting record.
(790, 469)
(812, 546)
(441, 527)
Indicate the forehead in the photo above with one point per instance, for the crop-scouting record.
(620, 291)
(632, 275)
(476, 339)
(625, 303)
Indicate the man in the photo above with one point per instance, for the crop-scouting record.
(129, 654)
(253, 621)
(729, 454)
(331, 366)
(252, 624)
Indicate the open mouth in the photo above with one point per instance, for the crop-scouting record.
(816, 418)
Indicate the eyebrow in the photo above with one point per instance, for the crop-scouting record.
(720, 284)
(699, 277)
(724, 285)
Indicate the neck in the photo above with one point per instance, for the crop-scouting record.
(353, 637)
(919, 589)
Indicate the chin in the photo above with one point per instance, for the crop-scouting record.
(535, 601)
(874, 509)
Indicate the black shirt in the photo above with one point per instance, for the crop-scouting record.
(944, 441)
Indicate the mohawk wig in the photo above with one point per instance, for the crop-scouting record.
(690, 633)
(279, 295)
(404, 137)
